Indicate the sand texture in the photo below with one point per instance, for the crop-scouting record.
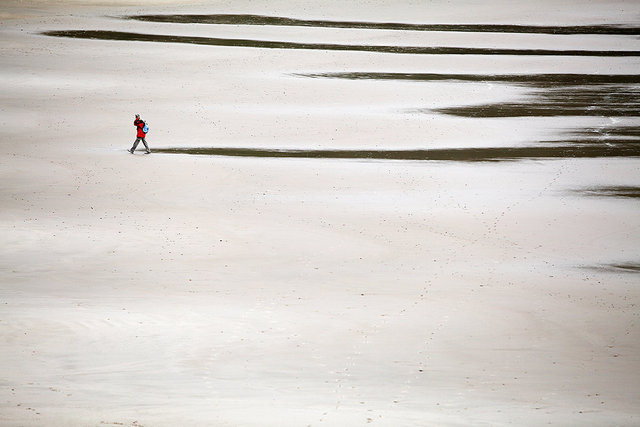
(396, 213)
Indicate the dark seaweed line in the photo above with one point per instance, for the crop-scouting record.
(456, 154)
(415, 50)
(537, 80)
(476, 28)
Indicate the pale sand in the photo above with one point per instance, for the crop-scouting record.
(175, 290)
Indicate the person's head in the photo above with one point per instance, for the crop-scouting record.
(137, 116)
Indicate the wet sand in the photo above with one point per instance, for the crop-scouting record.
(359, 214)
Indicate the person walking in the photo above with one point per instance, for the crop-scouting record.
(140, 125)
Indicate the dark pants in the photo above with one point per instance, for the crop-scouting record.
(135, 144)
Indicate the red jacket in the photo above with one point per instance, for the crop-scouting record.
(139, 124)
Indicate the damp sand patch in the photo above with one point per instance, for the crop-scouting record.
(258, 20)
(488, 154)
(268, 44)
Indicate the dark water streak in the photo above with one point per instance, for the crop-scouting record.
(534, 80)
(266, 44)
(597, 100)
(244, 19)
(623, 191)
(591, 141)
(485, 154)
(629, 133)
(627, 267)
(613, 136)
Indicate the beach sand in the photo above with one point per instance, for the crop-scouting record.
(196, 290)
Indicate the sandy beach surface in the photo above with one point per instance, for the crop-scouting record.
(496, 286)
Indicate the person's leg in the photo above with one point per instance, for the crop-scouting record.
(135, 145)
(145, 145)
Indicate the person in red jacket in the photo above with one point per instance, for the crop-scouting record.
(139, 124)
